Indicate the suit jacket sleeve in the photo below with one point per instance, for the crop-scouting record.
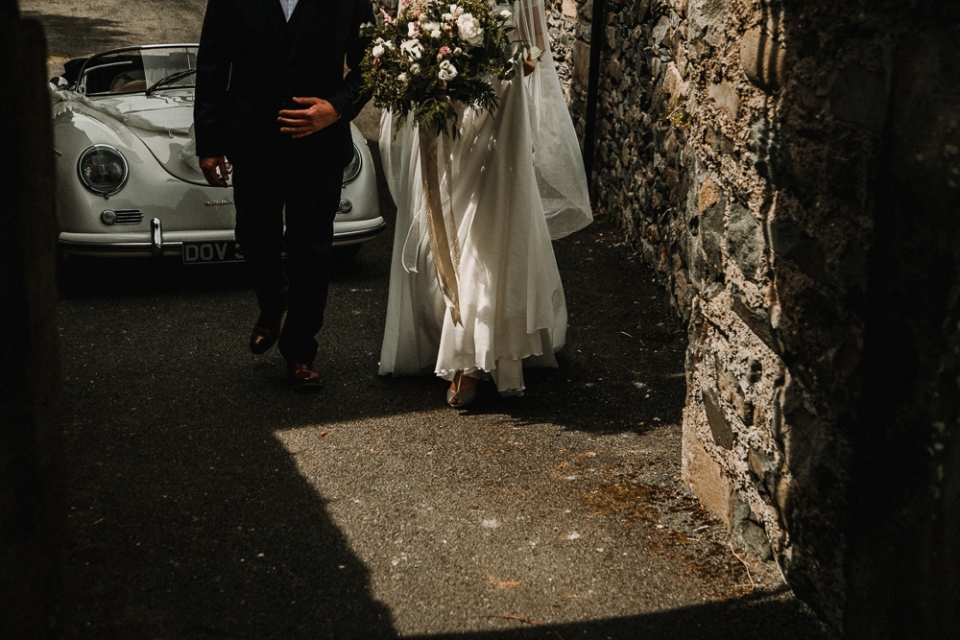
(214, 57)
(351, 99)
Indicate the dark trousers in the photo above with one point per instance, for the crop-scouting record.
(309, 188)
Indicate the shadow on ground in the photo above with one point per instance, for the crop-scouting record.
(744, 619)
(193, 528)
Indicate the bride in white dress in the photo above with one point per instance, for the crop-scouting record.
(512, 180)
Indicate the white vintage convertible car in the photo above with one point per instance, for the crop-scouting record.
(129, 183)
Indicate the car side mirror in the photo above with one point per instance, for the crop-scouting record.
(59, 83)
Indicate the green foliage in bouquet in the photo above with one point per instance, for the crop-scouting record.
(435, 54)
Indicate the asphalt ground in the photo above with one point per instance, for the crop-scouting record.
(208, 501)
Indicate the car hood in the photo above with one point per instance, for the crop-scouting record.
(165, 125)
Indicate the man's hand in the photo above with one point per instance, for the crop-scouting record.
(215, 171)
(299, 123)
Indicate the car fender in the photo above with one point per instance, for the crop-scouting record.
(74, 131)
(149, 187)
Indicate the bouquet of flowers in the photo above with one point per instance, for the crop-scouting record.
(434, 54)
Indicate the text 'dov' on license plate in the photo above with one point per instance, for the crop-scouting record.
(207, 252)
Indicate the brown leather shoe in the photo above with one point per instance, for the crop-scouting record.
(266, 332)
(303, 377)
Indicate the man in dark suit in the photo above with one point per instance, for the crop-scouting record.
(272, 97)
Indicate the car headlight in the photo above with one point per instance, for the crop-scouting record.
(352, 170)
(103, 170)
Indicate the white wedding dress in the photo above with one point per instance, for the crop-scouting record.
(511, 181)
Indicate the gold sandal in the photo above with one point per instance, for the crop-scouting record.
(457, 397)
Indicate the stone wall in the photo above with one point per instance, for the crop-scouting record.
(768, 157)
(695, 160)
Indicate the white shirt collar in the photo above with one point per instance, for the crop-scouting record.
(288, 7)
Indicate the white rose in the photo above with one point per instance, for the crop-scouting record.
(414, 68)
(505, 12)
(412, 28)
(402, 78)
(470, 29)
(412, 48)
(433, 29)
(377, 50)
(447, 71)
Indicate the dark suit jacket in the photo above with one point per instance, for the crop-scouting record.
(251, 63)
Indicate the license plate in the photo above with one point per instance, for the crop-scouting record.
(208, 252)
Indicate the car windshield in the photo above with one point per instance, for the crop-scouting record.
(136, 70)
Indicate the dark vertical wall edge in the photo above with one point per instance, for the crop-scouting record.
(593, 89)
(31, 491)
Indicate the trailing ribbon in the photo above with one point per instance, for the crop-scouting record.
(445, 260)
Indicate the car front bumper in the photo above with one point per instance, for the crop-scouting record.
(158, 243)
